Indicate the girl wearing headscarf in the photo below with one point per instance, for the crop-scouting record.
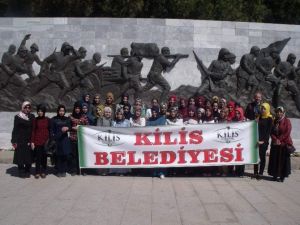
(172, 102)
(109, 102)
(231, 111)
(97, 107)
(120, 120)
(239, 117)
(156, 119)
(200, 103)
(77, 118)
(85, 112)
(137, 120)
(279, 161)
(173, 118)
(21, 139)
(192, 116)
(59, 130)
(154, 103)
(265, 121)
(183, 108)
(39, 136)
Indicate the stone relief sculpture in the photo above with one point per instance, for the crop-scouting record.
(64, 75)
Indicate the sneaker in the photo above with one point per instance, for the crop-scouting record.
(27, 175)
(37, 176)
(162, 176)
(43, 175)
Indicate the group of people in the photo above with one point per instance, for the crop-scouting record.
(30, 134)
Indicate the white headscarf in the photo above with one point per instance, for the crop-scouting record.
(22, 114)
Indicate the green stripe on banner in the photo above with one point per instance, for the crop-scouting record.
(254, 148)
(80, 146)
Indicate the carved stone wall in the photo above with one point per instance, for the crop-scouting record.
(109, 35)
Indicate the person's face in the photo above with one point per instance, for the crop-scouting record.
(257, 98)
(238, 114)
(191, 101)
(256, 53)
(40, 113)
(125, 99)
(279, 114)
(222, 104)
(119, 115)
(223, 114)
(109, 100)
(166, 51)
(97, 58)
(61, 112)
(97, 99)
(173, 114)
(87, 98)
(125, 52)
(191, 113)
(208, 112)
(231, 60)
(215, 106)
(230, 108)
(199, 114)
(200, 101)
(138, 113)
(262, 109)
(208, 104)
(83, 54)
(154, 102)
(154, 113)
(163, 109)
(172, 101)
(126, 109)
(182, 103)
(84, 109)
(77, 110)
(33, 50)
(292, 60)
(107, 114)
(275, 55)
(27, 109)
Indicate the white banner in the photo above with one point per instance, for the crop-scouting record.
(168, 146)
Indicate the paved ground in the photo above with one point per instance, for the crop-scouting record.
(97, 200)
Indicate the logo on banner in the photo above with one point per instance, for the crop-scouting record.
(108, 138)
(228, 135)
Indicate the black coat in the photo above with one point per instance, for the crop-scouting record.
(21, 135)
(61, 138)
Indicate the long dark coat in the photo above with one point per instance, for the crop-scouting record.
(280, 162)
(21, 136)
(62, 140)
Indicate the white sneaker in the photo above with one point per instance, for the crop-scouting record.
(162, 176)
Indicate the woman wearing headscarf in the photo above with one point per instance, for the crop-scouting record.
(231, 111)
(208, 116)
(77, 118)
(106, 120)
(39, 136)
(156, 119)
(85, 112)
(109, 102)
(200, 103)
(97, 107)
(239, 117)
(120, 120)
(280, 162)
(192, 116)
(59, 129)
(137, 120)
(154, 103)
(173, 118)
(265, 121)
(124, 102)
(183, 108)
(21, 139)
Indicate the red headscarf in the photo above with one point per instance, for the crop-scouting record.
(203, 100)
(241, 111)
(231, 114)
(183, 111)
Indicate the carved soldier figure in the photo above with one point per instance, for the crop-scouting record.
(56, 64)
(265, 66)
(246, 70)
(82, 70)
(134, 69)
(161, 64)
(31, 57)
(216, 73)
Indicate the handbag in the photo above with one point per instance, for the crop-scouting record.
(290, 148)
(50, 147)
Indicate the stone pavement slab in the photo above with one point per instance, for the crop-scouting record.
(113, 200)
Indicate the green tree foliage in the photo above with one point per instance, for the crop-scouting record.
(269, 11)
